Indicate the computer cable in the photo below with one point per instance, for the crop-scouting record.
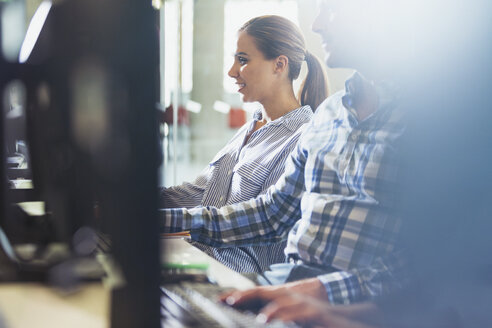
(257, 265)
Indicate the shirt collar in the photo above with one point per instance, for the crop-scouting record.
(353, 85)
(258, 115)
(292, 120)
(387, 94)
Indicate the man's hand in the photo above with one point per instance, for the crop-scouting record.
(304, 302)
(310, 287)
(309, 311)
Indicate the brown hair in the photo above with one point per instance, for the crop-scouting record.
(275, 36)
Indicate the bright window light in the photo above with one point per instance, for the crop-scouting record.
(34, 29)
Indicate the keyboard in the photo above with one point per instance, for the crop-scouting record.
(192, 304)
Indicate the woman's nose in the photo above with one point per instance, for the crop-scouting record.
(233, 72)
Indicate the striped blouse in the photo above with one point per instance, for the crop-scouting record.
(335, 200)
(241, 171)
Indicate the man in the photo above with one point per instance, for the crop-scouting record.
(446, 203)
(335, 201)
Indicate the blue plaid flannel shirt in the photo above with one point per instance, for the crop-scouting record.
(335, 201)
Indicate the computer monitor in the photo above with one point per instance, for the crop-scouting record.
(89, 78)
(3, 160)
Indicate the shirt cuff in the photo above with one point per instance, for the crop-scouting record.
(172, 220)
(341, 287)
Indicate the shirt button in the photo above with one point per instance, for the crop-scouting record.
(229, 173)
(221, 198)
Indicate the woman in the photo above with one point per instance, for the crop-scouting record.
(269, 55)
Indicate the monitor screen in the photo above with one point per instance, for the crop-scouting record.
(88, 68)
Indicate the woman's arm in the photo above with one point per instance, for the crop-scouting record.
(185, 195)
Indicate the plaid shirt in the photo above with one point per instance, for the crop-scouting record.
(335, 200)
(241, 171)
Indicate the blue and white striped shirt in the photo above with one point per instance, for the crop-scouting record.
(335, 201)
(239, 172)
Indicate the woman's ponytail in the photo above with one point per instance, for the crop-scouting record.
(275, 36)
(314, 88)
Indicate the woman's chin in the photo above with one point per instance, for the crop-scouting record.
(245, 99)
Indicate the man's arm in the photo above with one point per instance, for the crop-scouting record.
(383, 276)
(342, 287)
(310, 311)
(258, 221)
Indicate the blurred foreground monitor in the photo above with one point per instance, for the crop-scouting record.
(79, 153)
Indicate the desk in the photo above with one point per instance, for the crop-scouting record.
(35, 305)
(180, 251)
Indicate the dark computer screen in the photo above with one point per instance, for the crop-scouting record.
(89, 74)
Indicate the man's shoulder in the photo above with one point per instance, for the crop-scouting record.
(333, 101)
(331, 109)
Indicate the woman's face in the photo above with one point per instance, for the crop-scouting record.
(255, 76)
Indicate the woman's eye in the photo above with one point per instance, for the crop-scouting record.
(242, 60)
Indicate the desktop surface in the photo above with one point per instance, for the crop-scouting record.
(194, 302)
(38, 305)
(180, 251)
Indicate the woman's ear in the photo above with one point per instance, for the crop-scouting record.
(281, 64)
